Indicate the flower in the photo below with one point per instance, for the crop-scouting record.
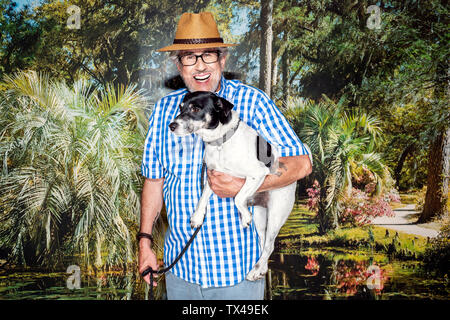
(312, 265)
(313, 196)
(359, 208)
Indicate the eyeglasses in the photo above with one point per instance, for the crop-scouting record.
(207, 57)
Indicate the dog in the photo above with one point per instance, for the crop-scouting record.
(232, 147)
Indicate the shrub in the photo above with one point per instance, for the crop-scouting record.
(360, 209)
(437, 255)
(313, 196)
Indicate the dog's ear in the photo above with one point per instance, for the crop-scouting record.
(224, 107)
(188, 96)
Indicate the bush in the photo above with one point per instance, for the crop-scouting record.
(313, 196)
(360, 209)
(437, 255)
(70, 183)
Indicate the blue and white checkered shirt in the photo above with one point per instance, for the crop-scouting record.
(223, 252)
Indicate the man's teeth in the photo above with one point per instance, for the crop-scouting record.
(201, 78)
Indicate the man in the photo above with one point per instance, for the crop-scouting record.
(223, 252)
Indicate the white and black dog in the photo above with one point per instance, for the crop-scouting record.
(231, 146)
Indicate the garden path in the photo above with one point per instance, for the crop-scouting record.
(405, 221)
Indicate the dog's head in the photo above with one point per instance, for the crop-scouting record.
(201, 110)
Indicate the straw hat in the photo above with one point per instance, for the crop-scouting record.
(196, 31)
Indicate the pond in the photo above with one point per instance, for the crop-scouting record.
(335, 274)
(304, 275)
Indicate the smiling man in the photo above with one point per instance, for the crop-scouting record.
(201, 69)
(223, 252)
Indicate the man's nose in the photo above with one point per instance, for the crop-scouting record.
(173, 126)
(200, 65)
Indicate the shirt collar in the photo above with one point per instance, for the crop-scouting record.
(223, 88)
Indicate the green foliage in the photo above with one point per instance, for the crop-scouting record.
(302, 230)
(437, 255)
(340, 143)
(70, 179)
(116, 41)
(18, 38)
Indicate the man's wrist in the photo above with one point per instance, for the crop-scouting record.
(144, 239)
(146, 235)
(145, 242)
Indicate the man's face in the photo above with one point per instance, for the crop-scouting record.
(202, 76)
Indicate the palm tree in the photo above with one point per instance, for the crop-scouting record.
(340, 141)
(69, 170)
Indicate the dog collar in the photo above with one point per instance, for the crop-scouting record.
(225, 137)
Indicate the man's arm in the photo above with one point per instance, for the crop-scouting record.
(151, 206)
(151, 203)
(290, 169)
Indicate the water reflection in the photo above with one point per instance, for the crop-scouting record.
(333, 275)
(52, 286)
(304, 276)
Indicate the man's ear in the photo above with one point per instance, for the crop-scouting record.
(225, 108)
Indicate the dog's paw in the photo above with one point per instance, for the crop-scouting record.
(196, 221)
(258, 272)
(246, 221)
(245, 215)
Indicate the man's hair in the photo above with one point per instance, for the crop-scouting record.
(174, 54)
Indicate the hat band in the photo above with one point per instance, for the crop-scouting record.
(197, 41)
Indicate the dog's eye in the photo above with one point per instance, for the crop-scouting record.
(195, 109)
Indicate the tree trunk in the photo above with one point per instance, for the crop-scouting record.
(285, 74)
(398, 169)
(438, 177)
(439, 157)
(266, 46)
(328, 213)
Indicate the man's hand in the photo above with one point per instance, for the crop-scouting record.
(151, 206)
(290, 169)
(147, 258)
(224, 185)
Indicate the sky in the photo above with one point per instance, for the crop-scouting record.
(21, 3)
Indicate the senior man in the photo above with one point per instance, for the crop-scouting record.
(223, 252)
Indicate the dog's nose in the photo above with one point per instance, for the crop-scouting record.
(173, 126)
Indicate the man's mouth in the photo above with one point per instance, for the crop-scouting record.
(202, 77)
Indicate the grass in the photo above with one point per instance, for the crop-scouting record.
(409, 198)
(301, 231)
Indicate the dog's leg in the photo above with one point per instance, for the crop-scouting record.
(199, 214)
(260, 222)
(280, 206)
(248, 189)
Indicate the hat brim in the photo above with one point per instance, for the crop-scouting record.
(178, 47)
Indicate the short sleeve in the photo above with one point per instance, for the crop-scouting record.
(151, 167)
(275, 128)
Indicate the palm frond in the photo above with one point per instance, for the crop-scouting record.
(70, 177)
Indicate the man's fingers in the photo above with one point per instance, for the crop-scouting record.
(215, 173)
(147, 278)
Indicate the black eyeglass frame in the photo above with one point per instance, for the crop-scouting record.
(199, 56)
